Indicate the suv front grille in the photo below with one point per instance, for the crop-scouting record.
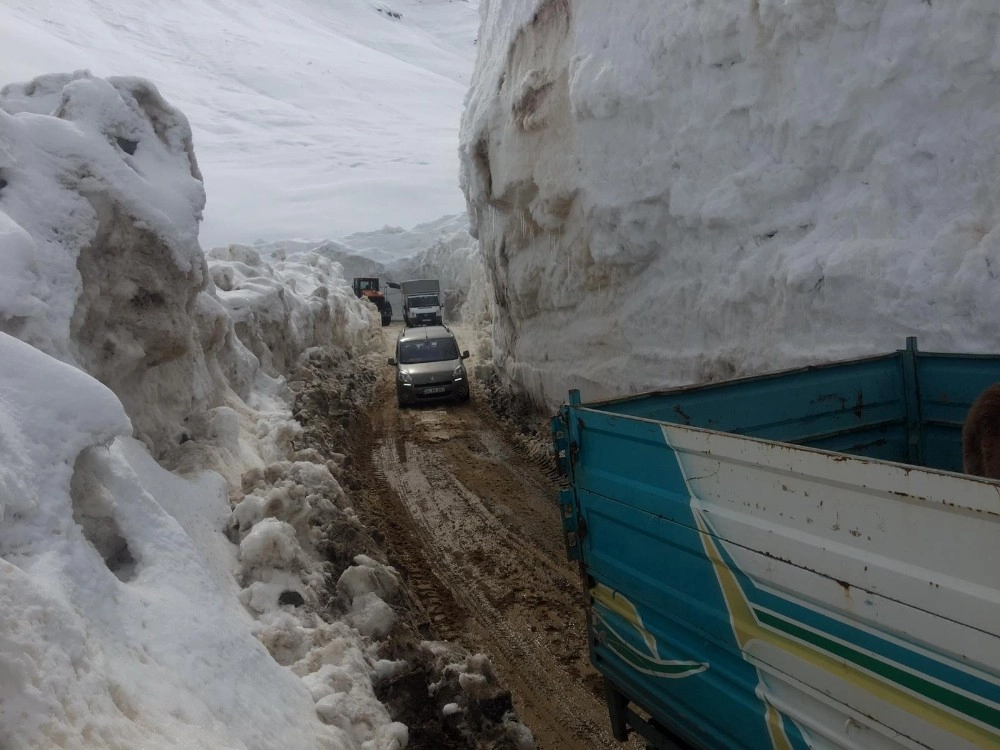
(436, 380)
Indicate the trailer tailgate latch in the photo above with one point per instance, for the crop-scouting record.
(570, 523)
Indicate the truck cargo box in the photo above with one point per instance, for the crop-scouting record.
(791, 560)
(422, 302)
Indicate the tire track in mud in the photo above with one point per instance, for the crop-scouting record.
(431, 602)
(474, 527)
(433, 499)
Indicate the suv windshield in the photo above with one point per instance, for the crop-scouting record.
(423, 300)
(427, 350)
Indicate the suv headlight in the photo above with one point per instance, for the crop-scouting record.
(405, 377)
(458, 372)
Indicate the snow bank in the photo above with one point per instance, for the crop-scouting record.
(128, 616)
(678, 191)
(280, 310)
(113, 633)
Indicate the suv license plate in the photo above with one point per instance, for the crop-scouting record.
(438, 389)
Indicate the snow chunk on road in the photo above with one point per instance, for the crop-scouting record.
(371, 616)
(369, 576)
(270, 544)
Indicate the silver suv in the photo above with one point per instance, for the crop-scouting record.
(430, 366)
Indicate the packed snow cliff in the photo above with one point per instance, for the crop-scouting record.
(141, 607)
(670, 192)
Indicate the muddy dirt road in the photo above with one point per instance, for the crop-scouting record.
(474, 527)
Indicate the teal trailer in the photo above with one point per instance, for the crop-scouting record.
(793, 560)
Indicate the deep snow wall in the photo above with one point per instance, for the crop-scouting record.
(672, 192)
(141, 607)
(111, 277)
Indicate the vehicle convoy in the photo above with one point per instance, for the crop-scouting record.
(368, 287)
(421, 302)
(792, 560)
(429, 366)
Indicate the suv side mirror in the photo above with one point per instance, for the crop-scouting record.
(392, 284)
(392, 362)
(465, 354)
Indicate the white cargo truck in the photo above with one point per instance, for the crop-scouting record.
(421, 302)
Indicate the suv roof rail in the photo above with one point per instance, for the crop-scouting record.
(416, 330)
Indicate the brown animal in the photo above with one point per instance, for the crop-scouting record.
(981, 435)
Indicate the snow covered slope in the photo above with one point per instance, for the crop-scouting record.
(668, 192)
(311, 118)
